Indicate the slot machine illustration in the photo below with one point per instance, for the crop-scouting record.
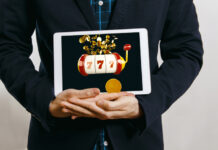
(103, 64)
(99, 59)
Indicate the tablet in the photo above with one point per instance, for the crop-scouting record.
(110, 60)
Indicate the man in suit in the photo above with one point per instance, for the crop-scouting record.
(79, 119)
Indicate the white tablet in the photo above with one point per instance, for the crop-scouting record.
(111, 60)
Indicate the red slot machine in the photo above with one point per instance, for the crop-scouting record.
(103, 64)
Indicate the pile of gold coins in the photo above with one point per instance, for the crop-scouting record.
(97, 45)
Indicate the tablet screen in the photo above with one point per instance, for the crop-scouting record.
(130, 77)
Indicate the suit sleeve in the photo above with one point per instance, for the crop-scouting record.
(181, 51)
(33, 90)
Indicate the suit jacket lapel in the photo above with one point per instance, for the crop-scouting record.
(87, 12)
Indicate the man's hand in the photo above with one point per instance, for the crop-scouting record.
(57, 108)
(108, 106)
(89, 104)
(125, 107)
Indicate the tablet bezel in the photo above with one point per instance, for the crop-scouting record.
(145, 63)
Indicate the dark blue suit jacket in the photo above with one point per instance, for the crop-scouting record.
(172, 23)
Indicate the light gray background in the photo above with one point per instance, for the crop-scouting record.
(190, 124)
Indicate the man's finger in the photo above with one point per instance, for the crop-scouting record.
(113, 96)
(115, 115)
(87, 105)
(70, 112)
(74, 113)
(85, 93)
(74, 117)
(77, 110)
(106, 96)
(112, 105)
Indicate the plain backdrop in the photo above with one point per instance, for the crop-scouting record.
(190, 124)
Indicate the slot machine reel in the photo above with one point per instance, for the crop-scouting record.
(103, 64)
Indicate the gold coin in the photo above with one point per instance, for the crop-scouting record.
(83, 39)
(107, 36)
(94, 43)
(86, 48)
(94, 37)
(113, 86)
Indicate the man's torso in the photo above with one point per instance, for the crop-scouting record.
(77, 15)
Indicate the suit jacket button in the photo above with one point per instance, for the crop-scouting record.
(105, 143)
(100, 3)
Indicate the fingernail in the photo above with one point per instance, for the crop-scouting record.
(96, 91)
(73, 117)
(93, 92)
